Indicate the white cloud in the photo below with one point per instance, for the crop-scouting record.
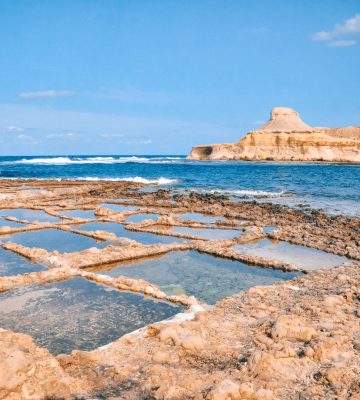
(27, 139)
(349, 27)
(112, 135)
(39, 121)
(352, 25)
(342, 43)
(322, 35)
(13, 128)
(137, 141)
(63, 136)
(45, 94)
(144, 141)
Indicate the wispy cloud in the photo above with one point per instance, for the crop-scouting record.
(27, 139)
(141, 141)
(13, 128)
(46, 94)
(112, 135)
(145, 135)
(334, 37)
(63, 136)
(342, 43)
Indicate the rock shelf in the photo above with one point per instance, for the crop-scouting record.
(291, 340)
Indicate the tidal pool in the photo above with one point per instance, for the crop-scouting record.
(208, 233)
(120, 231)
(78, 314)
(13, 264)
(87, 214)
(198, 217)
(304, 257)
(206, 277)
(142, 217)
(269, 229)
(55, 239)
(118, 207)
(12, 224)
(29, 215)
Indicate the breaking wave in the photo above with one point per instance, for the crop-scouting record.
(135, 179)
(93, 160)
(252, 193)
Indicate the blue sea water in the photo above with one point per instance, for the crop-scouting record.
(332, 187)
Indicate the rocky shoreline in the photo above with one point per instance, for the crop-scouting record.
(297, 339)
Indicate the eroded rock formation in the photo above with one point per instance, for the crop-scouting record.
(294, 340)
(285, 137)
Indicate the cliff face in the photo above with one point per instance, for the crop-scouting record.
(286, 138)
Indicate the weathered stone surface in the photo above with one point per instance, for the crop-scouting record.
(298, 339)
(285, 137)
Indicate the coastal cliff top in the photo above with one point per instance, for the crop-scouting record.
(283, 119)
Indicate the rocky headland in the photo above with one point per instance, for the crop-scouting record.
(285, 137)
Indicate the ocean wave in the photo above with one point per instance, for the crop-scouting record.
(135, 179)
(252, 193)
(93, 160)
(55, 160)
(160, 181)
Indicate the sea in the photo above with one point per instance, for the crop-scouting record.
(334, 188)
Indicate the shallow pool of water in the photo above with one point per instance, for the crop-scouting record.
(304, 257)
(13, 264)
(78, 314)
(269, 229)
(34, 190)
(29, 215)
(55, 239)
(198, 217)
(142, 217)
(87, 214)
(118, 207)
(119, 230)
(207, 233)
(12, 224)
(201, 275)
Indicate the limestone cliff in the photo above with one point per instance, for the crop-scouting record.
(285, 137)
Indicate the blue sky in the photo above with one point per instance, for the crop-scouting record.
(156, 77)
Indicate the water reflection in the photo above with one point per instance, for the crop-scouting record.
(118, 207)
(78, 314)
(119, 230)
(208, 233)
(206, 277)
(55, 239)
(304, 257)
(29, 215)
(198, 217)
(141, 217)
(87, 214)
(13, 264)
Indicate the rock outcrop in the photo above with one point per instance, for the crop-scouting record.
(285, 137)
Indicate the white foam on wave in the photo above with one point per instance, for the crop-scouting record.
(135, 179)
(93, 160)
(250, 193)
(54, 160)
